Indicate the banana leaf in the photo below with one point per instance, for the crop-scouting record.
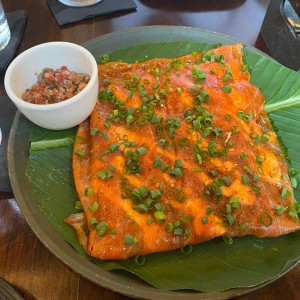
(214, 265)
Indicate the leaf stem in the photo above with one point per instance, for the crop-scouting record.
(54, 143)
(282, 104)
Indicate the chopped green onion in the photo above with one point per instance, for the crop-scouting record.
(187, 249)
(176, 172)
(180, 195)
(88, 191)
(101, 228)
(280, 209)
(226, 180)
(149, 221)
(141, 208)
(159, 216)
(248, 170)
(94, 206)
(265, 218)
(105, 135)
(169, 227)
(102, 174)
(227, 88)
(285, 193)
(213, 173)
(94, 131)
(78, 205)
(178, 231)
(228, 239)
(93, 221)
(256, 178)
(80, 153)
(243, 226)
(164, 167)
(293, 172)
(230, 219)
(140, 259)
(204, 220)
(129, 240)
(112, 168)
(114, 147)
(245, 179)
(157, 162)
(243, 155)
(294, 182)
(209, 211)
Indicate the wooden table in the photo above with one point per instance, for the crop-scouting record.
(24, 261)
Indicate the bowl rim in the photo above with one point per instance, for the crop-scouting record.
(23, 104)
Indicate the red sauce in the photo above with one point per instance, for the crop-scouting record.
(55, 86)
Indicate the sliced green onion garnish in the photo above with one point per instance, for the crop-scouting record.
(80, 153)
(256, 178)
(248, 170)
(280, 209)
(228, 239)
(204, 220)
(265, 218)
(187, 249)
(285, 193)
(209, 211)
(178, 231)
(245, 179)
(226, 180)
(149, 221)
(94, 206)
(114, 147)
(102, 174)
(105, 135)
(129, 240)
(140, 259)
(169, 227)
(101, 228)
(112, 168)
(176, 172)
(94, 131)
(230, 219)
(157, 162)
(243, 226)
(159, 216)
(78, 205)
(293, 172)
(164, 167)
(93, 221)
(88, 191)
(141, 208)
(180, 195)
(243, 155)
(294, 182)
(227, 88)
(141, 150)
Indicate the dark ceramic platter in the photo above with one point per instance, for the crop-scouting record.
(120, 282)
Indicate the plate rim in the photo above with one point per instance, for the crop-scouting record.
(74, 260)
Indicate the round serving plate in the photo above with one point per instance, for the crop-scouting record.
(121, 282)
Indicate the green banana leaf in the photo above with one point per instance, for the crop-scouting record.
(214, 265)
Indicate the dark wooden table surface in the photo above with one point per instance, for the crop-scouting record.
(24, 260)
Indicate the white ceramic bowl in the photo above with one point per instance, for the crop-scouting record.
(22, 74)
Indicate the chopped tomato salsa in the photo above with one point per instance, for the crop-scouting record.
(55, 86)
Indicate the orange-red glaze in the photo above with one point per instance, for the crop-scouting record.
(171, 87)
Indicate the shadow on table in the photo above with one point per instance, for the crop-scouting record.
(193, 5)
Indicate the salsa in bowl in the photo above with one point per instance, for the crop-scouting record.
(71, 107)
